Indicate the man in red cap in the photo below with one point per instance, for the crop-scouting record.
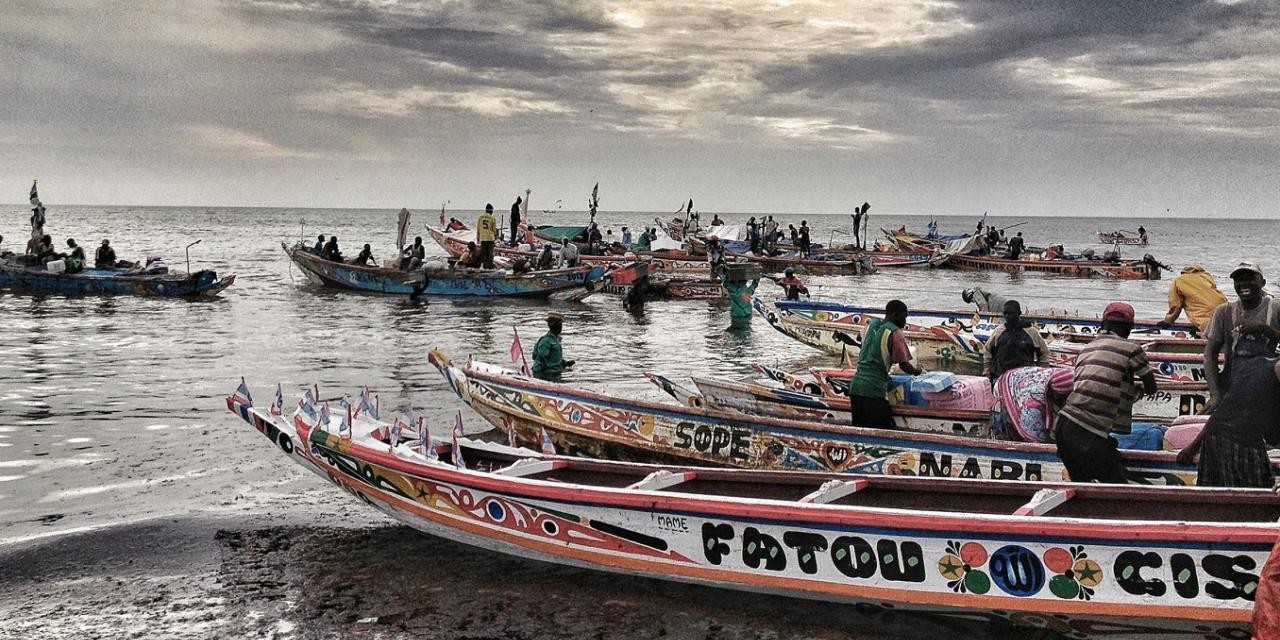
(1246, 328)
(1101, 400)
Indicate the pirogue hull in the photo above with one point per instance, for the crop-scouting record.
(201, 284)
(1076, 560)
(1131, 270)
(535, 284)
(611, 427)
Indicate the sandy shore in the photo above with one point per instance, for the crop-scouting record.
(208, 578)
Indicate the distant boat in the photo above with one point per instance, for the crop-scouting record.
(443, 282)
(201, 284)
(1120, 237)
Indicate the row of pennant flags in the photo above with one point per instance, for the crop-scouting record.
(317, 413)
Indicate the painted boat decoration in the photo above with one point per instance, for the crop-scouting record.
(442, 282)
(1124, 270)
(201, 284)
(664, 261)
(981, 325)
(605, 426)
(1074, 559)
(1177, 362)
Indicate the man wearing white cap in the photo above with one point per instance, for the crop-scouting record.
(1246, 328)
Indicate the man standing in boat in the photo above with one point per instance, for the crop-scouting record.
(548, 355)
(1016, 246)
(515, 221)
(883, 345)
(487, 234)
(1101, 400)
(804, 239)
(1246, 328)
(1195, 291)
(1013, 344)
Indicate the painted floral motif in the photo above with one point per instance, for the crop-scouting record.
(960, 567)
(1077, 575)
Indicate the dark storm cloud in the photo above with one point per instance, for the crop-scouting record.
(1144, 33)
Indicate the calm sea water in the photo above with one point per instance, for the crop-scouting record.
(111, 408)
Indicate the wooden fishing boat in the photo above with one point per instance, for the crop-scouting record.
(664, 261)
(605, 426)
(981, 325)
(1079, 560)
(1123, 270)
(808, 266)
(1170, 401)
(1119, 237)
(445, 282)
(943, 347)
(1175, 361)
(761, 400)
(201, 284)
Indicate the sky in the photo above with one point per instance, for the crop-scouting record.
(1017, 107)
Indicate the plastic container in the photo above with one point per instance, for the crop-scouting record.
(56, 266)
(741, 271)
(934, 381)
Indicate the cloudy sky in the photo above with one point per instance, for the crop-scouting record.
(1122, 107)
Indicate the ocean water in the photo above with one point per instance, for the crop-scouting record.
(111, 408)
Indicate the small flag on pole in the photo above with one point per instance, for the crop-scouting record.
(277, 406)
(517, 354)
(242, 395)
(405, 421)
(425, 445)
(309, 398)
(323, 420)
(457, 448)
(548, 447)
(366, 406)
(344, 427)
(308, 413)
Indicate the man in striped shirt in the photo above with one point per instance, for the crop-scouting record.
(1101, 400)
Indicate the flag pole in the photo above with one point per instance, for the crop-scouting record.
(523, 357)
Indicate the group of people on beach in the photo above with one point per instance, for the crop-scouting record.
(1244, 395)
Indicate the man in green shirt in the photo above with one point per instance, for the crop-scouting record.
(548, 356)
(883, 346)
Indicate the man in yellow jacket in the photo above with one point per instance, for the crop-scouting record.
(486, 233)
(1196, 291)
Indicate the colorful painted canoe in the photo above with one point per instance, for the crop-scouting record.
(664, 261)
(201, 284)
(1078, 560)
(1170, 401)
(442, 282)
(942, 347)
(1175, 361)
(605, 426)
(981, 325)
(1125, 270)
(761, 400)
